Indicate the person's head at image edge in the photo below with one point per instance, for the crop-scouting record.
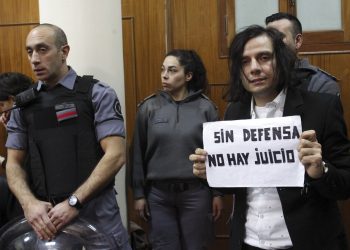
(11, 84)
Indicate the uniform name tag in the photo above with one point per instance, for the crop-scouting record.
(65, 111)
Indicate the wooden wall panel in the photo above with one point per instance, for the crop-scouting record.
(130, 70)
(3, 136)
(339, 66)
(144, 49)
(13, 56)
(195, 26)
(216, 92)
(346, 16)
(130, 100)
(149, 23)
(16, 12)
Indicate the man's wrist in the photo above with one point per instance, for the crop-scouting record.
(73, 201)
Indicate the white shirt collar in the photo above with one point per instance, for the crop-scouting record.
(276, 104)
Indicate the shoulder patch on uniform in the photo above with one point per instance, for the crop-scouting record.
(328, 74)
(148, 97)
(206, 97)
(118, 109)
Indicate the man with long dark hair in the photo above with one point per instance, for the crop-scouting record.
(260, 86)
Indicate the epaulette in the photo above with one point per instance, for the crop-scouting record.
(148, 97)
(328, 74)
(84, 83)
(206, 97)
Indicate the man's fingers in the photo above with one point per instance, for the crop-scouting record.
(200, 151)
(56, 222)
(217, 215)
(199, 155)
(200, 173)
(192, 157)
(51, 227)
(197, 158)
(147, 212)
(39, 234)
(307, 160)
(310, 151)
(45, 229)
(59, 225)
(309, 135)
(49, 206)
(142, 215)
(42, 231)
(308, 155)
(199, 166)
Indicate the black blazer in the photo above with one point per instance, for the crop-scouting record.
(311, 213)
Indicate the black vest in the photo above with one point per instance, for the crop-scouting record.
(61, 138)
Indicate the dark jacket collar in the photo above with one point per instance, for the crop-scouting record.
(294, 102)
(191, 95)
(292, 106)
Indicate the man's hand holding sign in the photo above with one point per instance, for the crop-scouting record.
(310, 154)
(258, 153)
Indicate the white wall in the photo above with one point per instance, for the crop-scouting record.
(94, 32)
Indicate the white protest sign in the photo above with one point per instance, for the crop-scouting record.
(254, 152)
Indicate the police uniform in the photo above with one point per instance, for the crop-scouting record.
(61, 130)
(314, 79)
(166, 133)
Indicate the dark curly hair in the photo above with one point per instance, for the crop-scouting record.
(191, 62)
(284, 57)
(13, 83)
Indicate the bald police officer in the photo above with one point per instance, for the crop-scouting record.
(73, 132)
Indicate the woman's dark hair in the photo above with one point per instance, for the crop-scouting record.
(191, 62)
(13, 83)
(284, 61)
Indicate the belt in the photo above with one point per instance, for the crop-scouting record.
(176, 186)
(249, 247)
(52, 200)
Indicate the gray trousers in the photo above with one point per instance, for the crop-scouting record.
(180, 219)
(103, 213)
